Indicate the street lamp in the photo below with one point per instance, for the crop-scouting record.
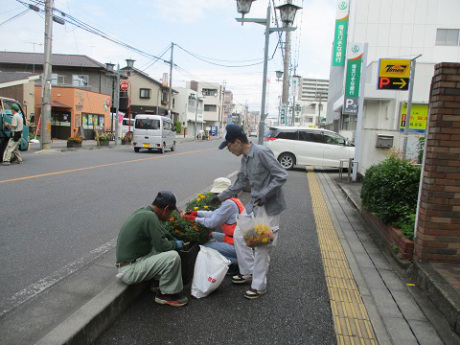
(243, 7)
(279, 74)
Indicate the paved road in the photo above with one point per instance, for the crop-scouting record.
(69, 205)
(295, 310)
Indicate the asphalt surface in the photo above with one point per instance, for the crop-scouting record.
(51, 221)
(295, 309)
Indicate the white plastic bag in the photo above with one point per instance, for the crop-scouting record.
(257, 231)
(210, 269)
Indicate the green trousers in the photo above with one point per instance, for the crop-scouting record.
(164, 267)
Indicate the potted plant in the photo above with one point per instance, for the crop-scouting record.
(126, 140)
(104, 140)
(73, 142)
(190, 232)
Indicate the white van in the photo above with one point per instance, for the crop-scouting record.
(308, 146)
(153, 132)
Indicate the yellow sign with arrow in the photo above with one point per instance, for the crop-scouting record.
(394, 74)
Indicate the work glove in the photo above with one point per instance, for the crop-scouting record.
(190, 218)
(179, 243)
(215, 201)
(191, 213)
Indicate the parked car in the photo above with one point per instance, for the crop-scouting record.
(252, 133)
(308, 146)
(5, 117)
(153, 132)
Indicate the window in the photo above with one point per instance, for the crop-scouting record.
(57, 79)
(311, 136)
(209, 92)
(447, 37)
(147, 124)
(144, 93)
(334, 139)
(287, 135)
(210, 107)
(80, 80)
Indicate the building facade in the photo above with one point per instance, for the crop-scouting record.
(397, 30)
(189, 106)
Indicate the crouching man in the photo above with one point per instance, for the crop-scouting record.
(146, 250)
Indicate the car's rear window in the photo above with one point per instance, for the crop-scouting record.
(289, 135)
(147, 124)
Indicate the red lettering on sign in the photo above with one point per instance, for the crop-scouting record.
(383, 82)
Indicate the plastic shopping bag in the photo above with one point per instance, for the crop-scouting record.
(210, 270)
(260, 232)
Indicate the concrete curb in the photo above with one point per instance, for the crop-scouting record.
(439, 292)
(87, 323)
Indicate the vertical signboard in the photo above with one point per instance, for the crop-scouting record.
(353, 79)
(340, 34)
(294, 89)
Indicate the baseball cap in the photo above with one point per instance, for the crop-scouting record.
(165, 198)
(232, 132)
(15, 107)
(220, 184)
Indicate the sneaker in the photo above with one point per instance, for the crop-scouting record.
(5, 163)
(253, 293)
(175, 300)
(241, 279)
(19, 162)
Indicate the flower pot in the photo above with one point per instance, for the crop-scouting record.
(104, 143)
(125, 142)
(188, 258)
(72, 144)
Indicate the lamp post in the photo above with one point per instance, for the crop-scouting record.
(244, 7)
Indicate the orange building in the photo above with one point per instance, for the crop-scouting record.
(72, 108)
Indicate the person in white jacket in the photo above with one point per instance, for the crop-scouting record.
(223, 221)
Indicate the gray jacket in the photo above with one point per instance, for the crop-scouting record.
(265, 175)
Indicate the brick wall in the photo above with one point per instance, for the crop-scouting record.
(438, 229)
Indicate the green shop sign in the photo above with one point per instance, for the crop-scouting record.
(340, 34)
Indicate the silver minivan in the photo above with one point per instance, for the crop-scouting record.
(153, 132)
(308, 146)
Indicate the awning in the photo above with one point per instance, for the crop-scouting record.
(56, 104)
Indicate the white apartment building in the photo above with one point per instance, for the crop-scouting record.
(312, 100)
(189, 106)
(396, 30)
(212, 94)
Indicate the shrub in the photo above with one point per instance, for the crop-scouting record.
(104, 137)
(31, 136)
(127, 138)
(390, 190)
(178, 127)
(74, 140)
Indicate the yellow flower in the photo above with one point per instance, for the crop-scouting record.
(202, 197)
(206, 207)
(196, 208)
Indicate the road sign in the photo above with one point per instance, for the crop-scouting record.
(124, 85)
(394, 74)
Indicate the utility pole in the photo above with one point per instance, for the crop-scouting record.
(117, 103)
(286, 74)
(171, 63)
(221, 120)
(46, 79)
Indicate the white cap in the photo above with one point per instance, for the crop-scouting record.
(220, 184)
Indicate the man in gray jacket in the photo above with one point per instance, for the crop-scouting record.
(260, 170)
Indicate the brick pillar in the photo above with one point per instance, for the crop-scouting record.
(438, 230)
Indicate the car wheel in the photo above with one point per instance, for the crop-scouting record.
(162, 150)
(136, 149)
(173, 147)
(287, 160)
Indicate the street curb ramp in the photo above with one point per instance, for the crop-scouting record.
(93, 318)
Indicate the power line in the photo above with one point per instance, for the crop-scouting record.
(15, 16)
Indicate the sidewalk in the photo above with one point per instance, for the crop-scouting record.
(79, 309)
(439, 281)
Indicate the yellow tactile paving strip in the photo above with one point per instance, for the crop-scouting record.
(351, 321)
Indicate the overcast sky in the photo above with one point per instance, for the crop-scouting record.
(205, 28)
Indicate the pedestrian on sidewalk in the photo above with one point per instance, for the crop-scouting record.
(146, 250)
(12, 148)
(223, 221)
(265, 175)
